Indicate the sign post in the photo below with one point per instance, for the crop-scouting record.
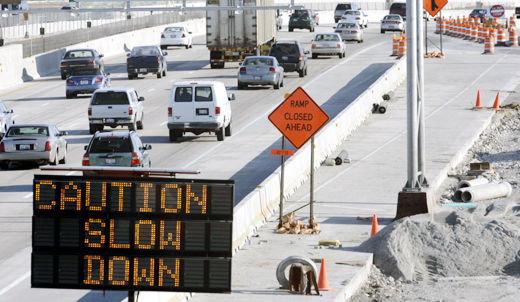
(299, 118)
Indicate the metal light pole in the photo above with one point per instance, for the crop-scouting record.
(411, 93)
(421, 35)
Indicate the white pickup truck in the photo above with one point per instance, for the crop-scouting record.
(115, 107)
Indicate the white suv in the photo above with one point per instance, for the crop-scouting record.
(115, 107)
(199, 107)
(355, 16)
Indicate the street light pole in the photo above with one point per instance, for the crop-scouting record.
(411, 93)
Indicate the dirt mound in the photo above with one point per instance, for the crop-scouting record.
(478, 242)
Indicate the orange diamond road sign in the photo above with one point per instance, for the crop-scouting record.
(298, 117)
(434, 6)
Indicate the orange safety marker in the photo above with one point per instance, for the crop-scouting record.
(438, 26)
(512, 21)
(286, 152)
(402, 47)
(395, 46)
(501, 37)
(489, 46)
(479, 102)
(496, 104)
(375, 226)
(474, 33)
(513, 36)
(323, 281)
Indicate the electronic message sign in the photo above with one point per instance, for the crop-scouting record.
(133, 234)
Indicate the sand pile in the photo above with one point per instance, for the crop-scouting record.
(479, 242)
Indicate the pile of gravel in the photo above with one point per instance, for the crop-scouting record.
(483, 241)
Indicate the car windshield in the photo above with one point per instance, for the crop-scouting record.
(110, 98)
(347, 25)
(145, 51)
(284, 49)
(479, 11)
(79, 54)
(326, 38)
(111, 144)
(173, 29)
(28, 131)
(300, 13)
(392, 17)
(352, 13)
(258, 62)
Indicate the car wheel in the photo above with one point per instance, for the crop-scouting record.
(241, 86)
(382, 31)
(291, 29)
(340, 55)
(56, 161)
(92, 129)
(220, 134)
(130, 76)
(305, 71)
(228, 130)
(64, 159)
(68, 95)
(159, 75)
(281, 84)
(314, 56)
(4, 165)
(187, 46)
(164, 72)
(133, 126)
(191, 44)
(360, 41)
(140, 123)
(63, 76)
(277, 85)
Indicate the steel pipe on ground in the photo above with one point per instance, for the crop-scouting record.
(472, 182)
(486, 191)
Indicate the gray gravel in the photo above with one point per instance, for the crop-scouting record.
(461, 254)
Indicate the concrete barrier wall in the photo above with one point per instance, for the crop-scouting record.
(258, 205)
(18, 70)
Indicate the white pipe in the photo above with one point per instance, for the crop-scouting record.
(472, 182)
(458, 193)
(487, 191)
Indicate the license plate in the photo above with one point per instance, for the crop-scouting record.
(109, 120)
(83, 82)
(173, 36)
(110, 160)
(285, 58)
(391, 26)
(142, 70)
(257, 78)
(25, 147)
(202, 111)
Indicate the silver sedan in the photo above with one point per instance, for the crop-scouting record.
(392, 22)
(260, 70)
(328, 44)
(40, 143)
(350, 31)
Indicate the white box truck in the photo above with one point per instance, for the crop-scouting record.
(232, 35)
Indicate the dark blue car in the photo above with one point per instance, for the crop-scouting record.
(479, 13)
(86, 81)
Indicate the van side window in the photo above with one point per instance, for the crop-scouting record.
(183, 94)
(203, 94)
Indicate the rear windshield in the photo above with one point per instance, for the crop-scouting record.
(347, 25)
(145, 51)
(28, 131)
(85, 72)
(395, 17)
(111, 144)
(284, 49)
(110, 98)
(326, 38)
(203, 94)
(79, 54)
(352, 12)
(300, 13)
(183, 94)
(398, 6)
(258, 62)
(173, 29)
(343, 6)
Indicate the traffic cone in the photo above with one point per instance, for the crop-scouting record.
(375, 226)
(479, 102)
(323, 282)
(496, 105)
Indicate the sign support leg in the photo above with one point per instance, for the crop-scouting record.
(311, 202)
(131, 296)
(282, 183)
(441, 31)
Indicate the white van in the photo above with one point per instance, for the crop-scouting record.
(199, 107)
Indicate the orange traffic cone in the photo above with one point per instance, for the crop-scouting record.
(323, 282)
(479, 102)
(375, 226)
(496, 105)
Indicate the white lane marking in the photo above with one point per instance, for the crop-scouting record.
(164, 123)
(210, 150)
(45, 104)
(28, 195)
(191, 72)
(15, 283)
(402, 132)
(150, 90)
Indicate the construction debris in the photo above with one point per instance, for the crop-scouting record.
(434, 54)
(329, 242)
(296, 227)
